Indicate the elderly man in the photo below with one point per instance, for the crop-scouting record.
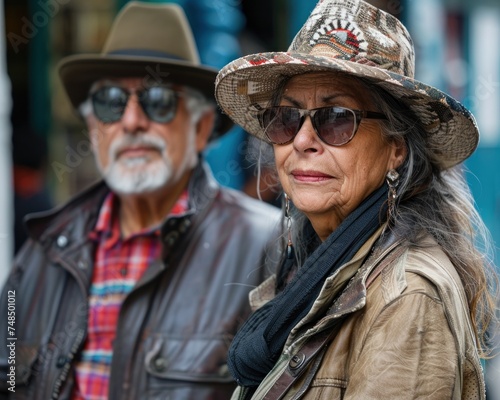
(135, 288)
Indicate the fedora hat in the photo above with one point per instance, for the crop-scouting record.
(146, 40)
(353, 37)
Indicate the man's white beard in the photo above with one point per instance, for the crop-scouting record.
(137, 175)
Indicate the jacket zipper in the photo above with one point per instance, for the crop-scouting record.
(67, 366)
(80, 336)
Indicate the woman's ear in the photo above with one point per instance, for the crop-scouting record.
(399, 153)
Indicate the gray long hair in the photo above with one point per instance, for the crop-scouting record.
(431, 201)
(439, 202)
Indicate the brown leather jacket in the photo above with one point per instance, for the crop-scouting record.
(174, 327)
(408, 336)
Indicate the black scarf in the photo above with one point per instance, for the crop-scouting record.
(258, 344)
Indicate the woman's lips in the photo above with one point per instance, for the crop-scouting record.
(310, 176)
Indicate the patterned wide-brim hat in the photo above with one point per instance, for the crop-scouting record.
(353, 37)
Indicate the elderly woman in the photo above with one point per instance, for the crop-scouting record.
(381, 292)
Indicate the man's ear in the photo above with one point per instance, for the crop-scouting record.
(204, 128)
(93, 131)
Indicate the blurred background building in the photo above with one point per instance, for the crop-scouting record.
(457, 46)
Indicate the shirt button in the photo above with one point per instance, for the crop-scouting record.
(171, 238)
(160, 364)
(62, 241)
(184, 225)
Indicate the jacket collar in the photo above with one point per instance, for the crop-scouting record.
(78, 216)
(353, 297)
(202, 188)
(335, 298)
(43, 226)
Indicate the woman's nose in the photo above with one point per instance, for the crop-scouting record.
(306, 138)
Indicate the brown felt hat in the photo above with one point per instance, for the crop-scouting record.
(150, 40)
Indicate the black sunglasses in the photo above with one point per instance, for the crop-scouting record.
(333, 125)
(158, 102)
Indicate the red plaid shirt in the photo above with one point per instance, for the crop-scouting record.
(119, 264)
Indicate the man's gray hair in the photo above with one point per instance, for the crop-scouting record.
(197, 104)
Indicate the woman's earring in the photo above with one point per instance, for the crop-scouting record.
(289, 246)
(392, 178)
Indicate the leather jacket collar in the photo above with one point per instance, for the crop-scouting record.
(70, 220)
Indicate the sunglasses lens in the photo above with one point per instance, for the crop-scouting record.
(109, 103)
(335, 125)
(280, 124)
(159, 103)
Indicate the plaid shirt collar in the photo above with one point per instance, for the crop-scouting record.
(108, 223)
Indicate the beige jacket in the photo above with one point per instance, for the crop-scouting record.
(409, 337)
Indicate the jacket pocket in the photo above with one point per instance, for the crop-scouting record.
(17, 368)
(25, 358)
(189, 359)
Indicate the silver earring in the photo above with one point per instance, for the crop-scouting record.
(289, 246)
(392, 179)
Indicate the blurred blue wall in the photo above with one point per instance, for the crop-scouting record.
(457, 51)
